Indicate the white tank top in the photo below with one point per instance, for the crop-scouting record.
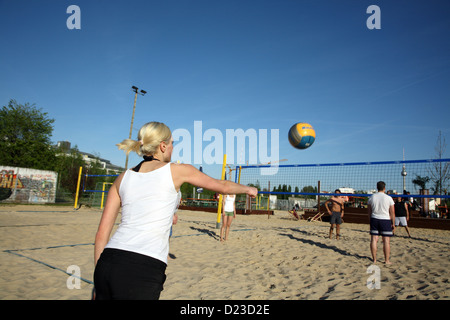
(229, 203)
(149, 201)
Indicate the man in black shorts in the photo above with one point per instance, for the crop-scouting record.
(401, 214)
(336, 212)
(382, 217)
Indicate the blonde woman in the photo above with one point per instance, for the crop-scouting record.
(228, 214)
(131, 264)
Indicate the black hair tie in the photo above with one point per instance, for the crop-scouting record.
(146, 158)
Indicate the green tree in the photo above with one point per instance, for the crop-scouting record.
(256, 185)
(25, 133)
(421, 181)
(68, 166)
(310, 189)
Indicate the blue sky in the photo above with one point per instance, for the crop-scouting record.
(236, 64)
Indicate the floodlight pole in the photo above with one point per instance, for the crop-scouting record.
(135, 89)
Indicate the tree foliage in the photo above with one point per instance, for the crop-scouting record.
(25, 133)
(421, 181)
(25, 141)
(439, 172)
(68, 166)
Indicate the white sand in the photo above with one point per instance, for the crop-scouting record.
(276, 258)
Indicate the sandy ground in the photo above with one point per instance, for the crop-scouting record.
(265, 258)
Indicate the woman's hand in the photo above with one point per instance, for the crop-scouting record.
(252, 192)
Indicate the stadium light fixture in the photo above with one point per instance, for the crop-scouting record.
(143, 92)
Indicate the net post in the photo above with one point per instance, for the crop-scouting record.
(268, 203)
(318, 196)
(239, 176)
(78, 188)
(219, 207)
(103, 195)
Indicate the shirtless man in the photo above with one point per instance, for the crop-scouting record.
(336, 213)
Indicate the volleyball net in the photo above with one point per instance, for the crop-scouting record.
(420, 178)
(304, 183)
(92, 189)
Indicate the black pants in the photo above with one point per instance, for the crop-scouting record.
(124, 275)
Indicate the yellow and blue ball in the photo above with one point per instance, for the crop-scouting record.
(302, 135)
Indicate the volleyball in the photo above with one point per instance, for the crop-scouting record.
(302, 135)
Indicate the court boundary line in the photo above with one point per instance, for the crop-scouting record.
(47, 265)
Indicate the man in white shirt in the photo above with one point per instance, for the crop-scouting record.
(432, 207)
(382, 218)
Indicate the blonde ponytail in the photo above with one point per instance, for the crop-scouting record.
(129, 145)
(150, 136)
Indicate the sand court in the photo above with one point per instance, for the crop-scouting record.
(265, 258)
